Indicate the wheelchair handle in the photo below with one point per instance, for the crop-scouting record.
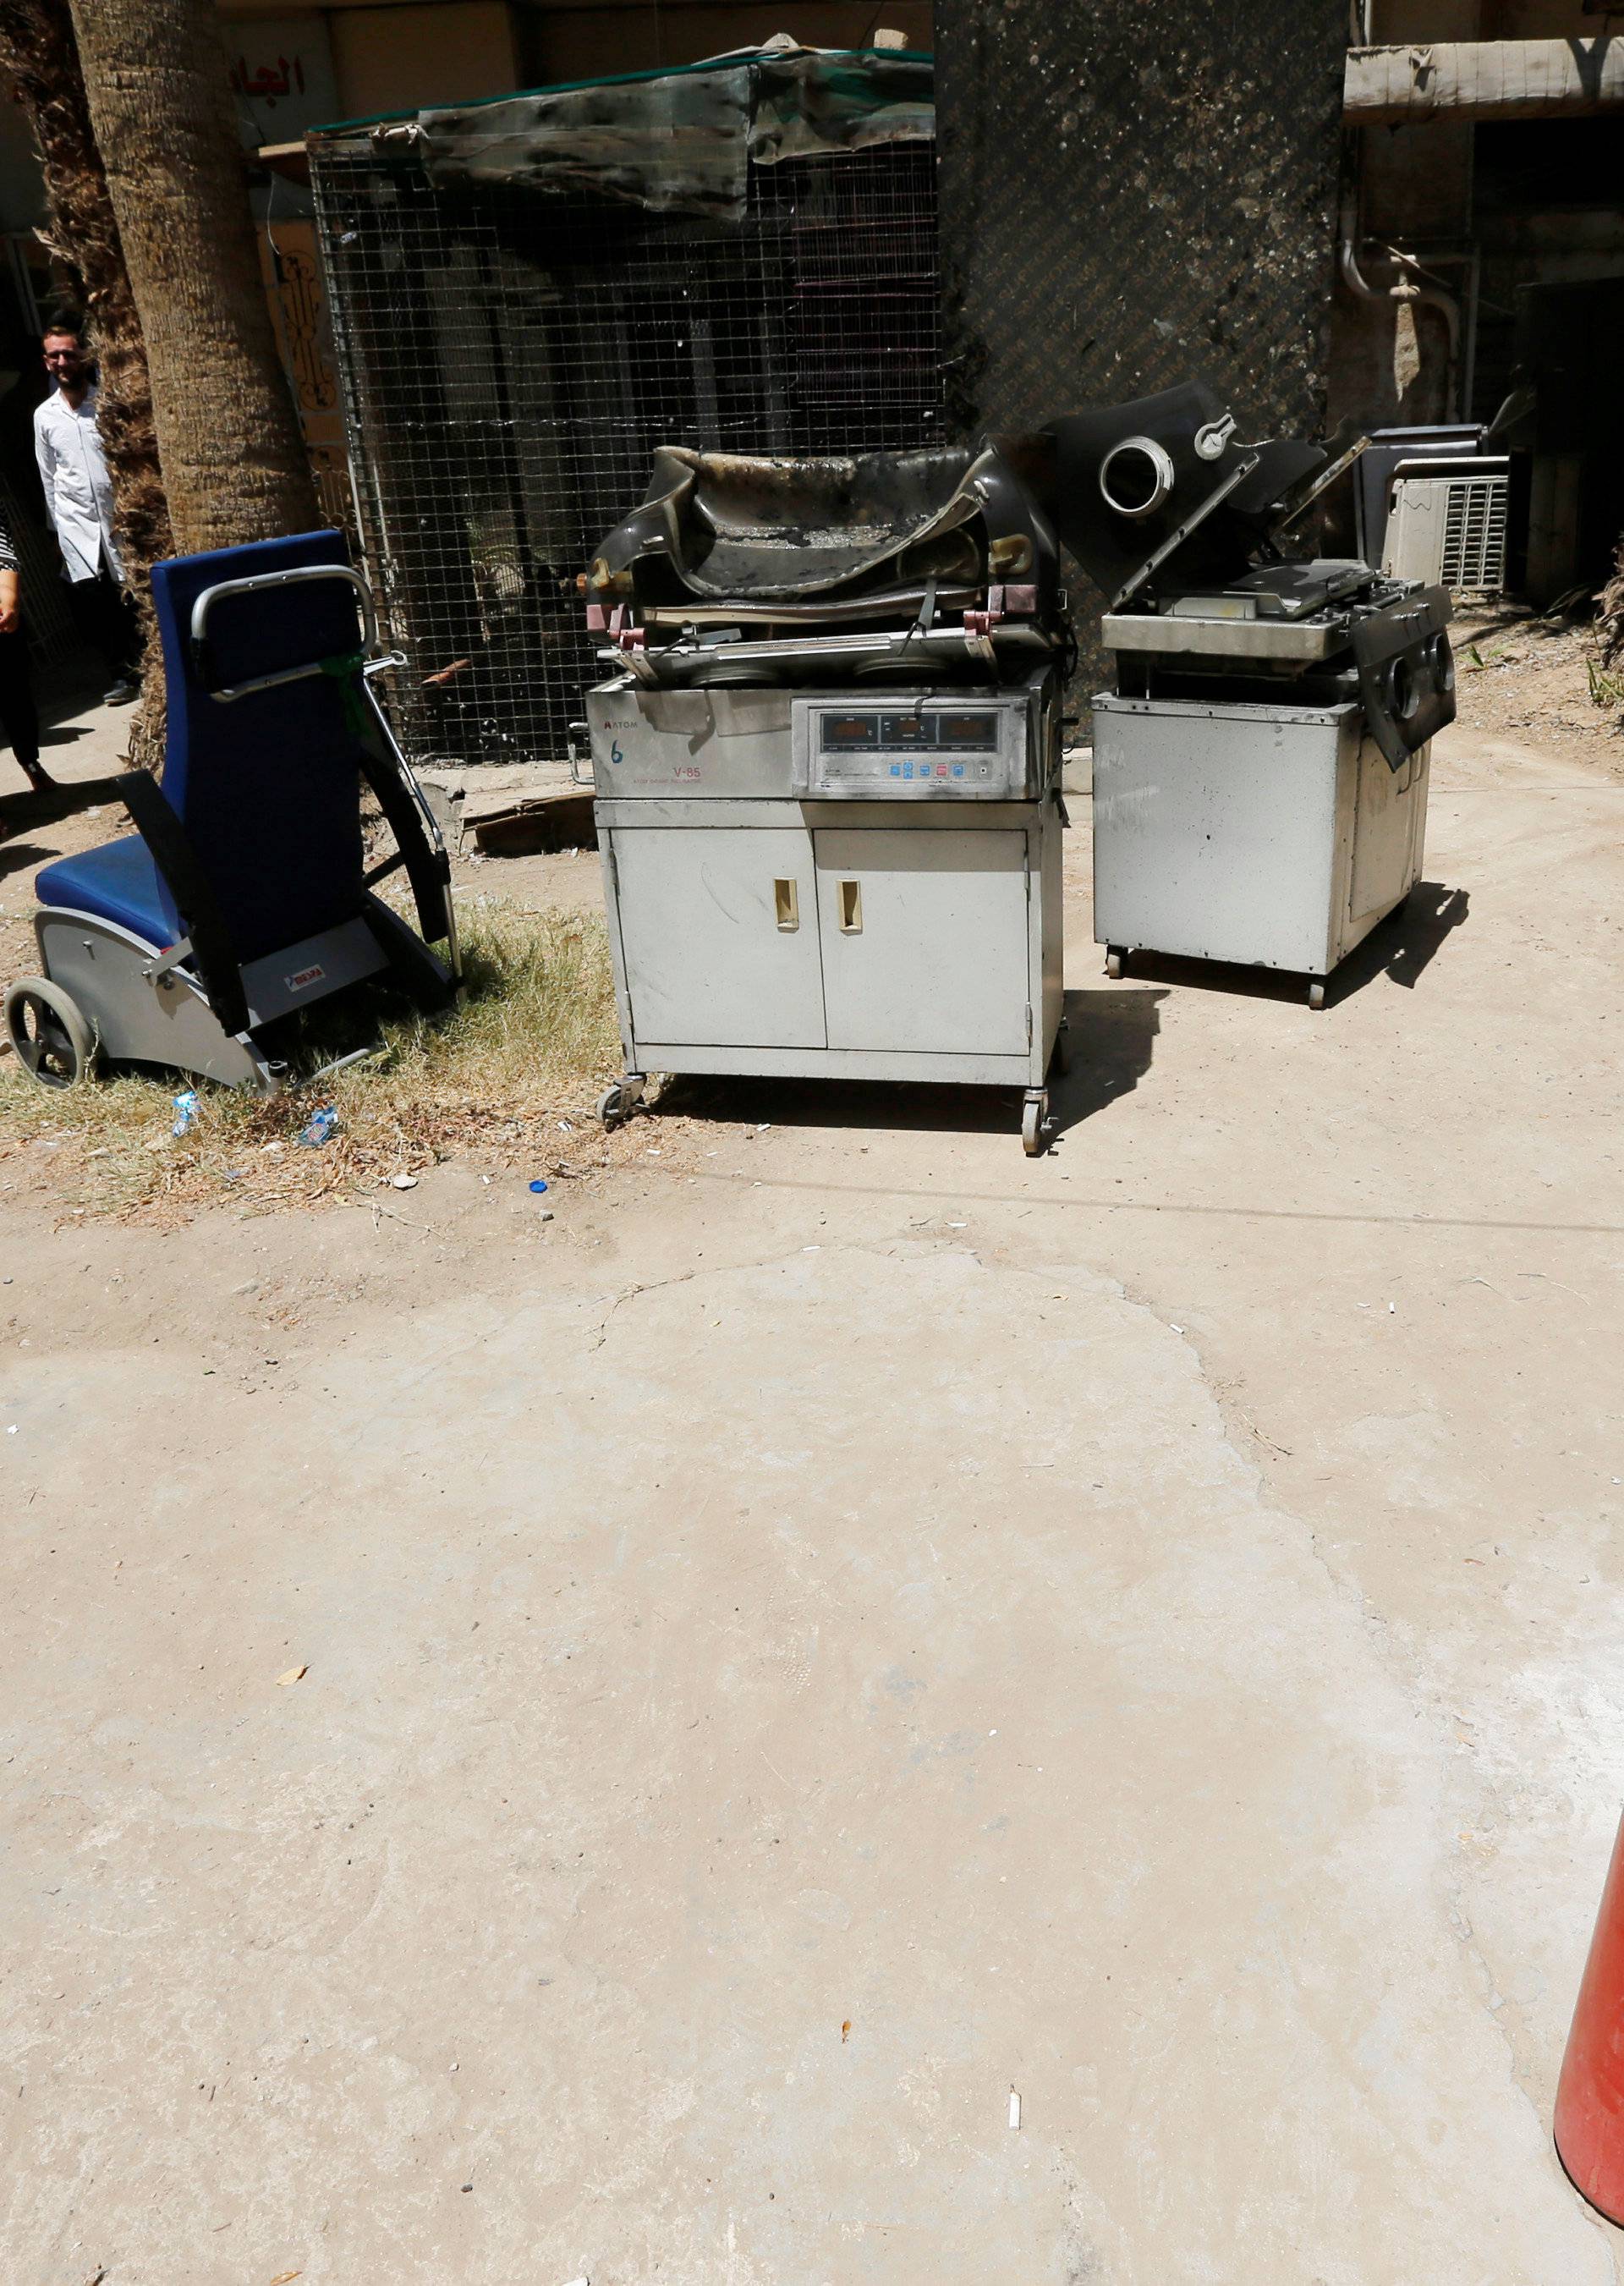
(201, 660)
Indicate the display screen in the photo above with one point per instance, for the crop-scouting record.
(850, 734)
(967, 733)
(943, 733)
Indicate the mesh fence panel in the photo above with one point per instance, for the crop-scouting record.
(510, 361)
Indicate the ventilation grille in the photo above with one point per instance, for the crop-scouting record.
(1474, 558)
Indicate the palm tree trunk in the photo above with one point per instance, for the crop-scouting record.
(234, 464)
(1612, 613)
(37, 48)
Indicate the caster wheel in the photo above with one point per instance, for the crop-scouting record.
(54, 1043)
(1059, 1060)
(1115, 961)
(1034, 1124)
(1316, 994)
(621, 1098)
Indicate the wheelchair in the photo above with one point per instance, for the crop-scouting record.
(243, 894)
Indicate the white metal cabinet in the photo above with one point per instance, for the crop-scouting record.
(1215, 828)
(1275, 836)
(925, 939)
(718, 936)
(725, 921)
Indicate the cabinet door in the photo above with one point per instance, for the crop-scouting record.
(719, 932)
(925, 939)
(1389, 812)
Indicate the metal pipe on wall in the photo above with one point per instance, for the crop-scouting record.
(1407, 288)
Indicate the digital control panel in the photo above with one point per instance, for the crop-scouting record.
(896, 749)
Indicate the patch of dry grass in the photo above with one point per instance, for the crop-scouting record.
(533, 1043)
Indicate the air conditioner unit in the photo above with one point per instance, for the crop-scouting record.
(1446, 523)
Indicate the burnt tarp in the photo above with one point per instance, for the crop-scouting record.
(682, 142)
(1130, 198)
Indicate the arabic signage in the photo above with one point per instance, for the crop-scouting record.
(282, 76)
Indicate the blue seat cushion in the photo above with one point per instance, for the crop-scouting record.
(119, 883)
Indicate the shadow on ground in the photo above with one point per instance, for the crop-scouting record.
(1407, 941)
(1399, 947)
(1113, 1035)
(31, 813)
(21, 856)
(1113, 1040)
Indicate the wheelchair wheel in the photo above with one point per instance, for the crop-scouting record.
(54, 1043)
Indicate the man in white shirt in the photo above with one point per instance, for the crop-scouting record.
(79, 507)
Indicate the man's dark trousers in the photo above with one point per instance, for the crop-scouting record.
(18, 715)
(106, 619)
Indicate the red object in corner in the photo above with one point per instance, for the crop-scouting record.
(1590, 2117)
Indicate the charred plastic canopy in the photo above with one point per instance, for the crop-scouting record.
(718, 536)
(1161, 486)
(1175, 518)
(1159, 490)
(1170, 513)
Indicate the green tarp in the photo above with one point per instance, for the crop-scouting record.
(682, 141)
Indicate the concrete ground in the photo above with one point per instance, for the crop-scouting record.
(844, 1624)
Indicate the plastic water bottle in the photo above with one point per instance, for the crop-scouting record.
(186, 1111)
(319, 1126)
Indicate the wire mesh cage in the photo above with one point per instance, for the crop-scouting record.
(511, 360)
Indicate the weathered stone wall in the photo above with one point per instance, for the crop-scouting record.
(1131, 196)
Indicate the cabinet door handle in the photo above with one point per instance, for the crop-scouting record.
(786, 904)
(851, 908)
